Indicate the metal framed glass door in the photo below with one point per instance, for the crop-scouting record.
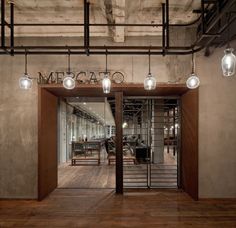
(151, 136)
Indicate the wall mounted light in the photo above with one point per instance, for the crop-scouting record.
(68, 81)
(193, 81)
(150, 81)
(25, 82)
(106, 82)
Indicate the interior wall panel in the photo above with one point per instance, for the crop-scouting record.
(47, 148)
(189, 143)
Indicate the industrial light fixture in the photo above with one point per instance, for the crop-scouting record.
(68, 81)
(228, 62)
(25, 82)
(150, 81)
(106, 82)
(193, 81)
(124, 125)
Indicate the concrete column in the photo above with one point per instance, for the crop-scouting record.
(158, 130)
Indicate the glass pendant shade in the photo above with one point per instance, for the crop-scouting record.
(228, 63)
(193, 81)
(150, 82)
(106, 84)
(69, 82)
(25, 82)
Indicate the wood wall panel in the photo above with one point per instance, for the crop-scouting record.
(189, 143)
(47, 143)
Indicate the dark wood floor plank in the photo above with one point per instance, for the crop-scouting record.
(103, 208)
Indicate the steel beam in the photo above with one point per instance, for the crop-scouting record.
(180, 48)
(104, 24)
(205, 30)
(103, 52)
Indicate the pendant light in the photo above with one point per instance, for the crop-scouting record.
(228, 62)
(25, 82)
(150, 81)
(124, 125)
(69, 82)
(193, 81)
(106, 82)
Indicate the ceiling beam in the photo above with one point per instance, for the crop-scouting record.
(115, 14)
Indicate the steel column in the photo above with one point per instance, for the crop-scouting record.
(86, 26)
(163, 30)
(3, 24)
(203, 17)
(12, 28)
(88, 32)
(167, 25)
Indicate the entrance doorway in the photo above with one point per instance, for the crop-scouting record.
(187, 164)
(151, 142)
(84, 126)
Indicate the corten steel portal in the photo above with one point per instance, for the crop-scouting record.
(47, 130)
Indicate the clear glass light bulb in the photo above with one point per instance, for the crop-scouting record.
(150, 82)
(25, 82)
(106, 84)
(228, 63)
(69, 82)
(125, 125)
(193, 81)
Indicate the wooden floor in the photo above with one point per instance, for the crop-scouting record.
(102, 176)
(102, 208)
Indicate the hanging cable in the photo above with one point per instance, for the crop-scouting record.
(228, 32)
(149, 62)
(193, 63)
(69, 69)
(106, 60)
(26, 71)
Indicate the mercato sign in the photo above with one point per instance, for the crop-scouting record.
(82, 77)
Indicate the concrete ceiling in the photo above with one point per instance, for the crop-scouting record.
(101, 11)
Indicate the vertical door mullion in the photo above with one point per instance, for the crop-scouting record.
(119, 141)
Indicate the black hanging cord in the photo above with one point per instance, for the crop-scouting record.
(228, 32)
(69, 69)
(193, 63)
(149, 62)
(26, 62)
(106, 61)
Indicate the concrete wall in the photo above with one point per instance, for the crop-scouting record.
(18, 133)
(18, 115)
(217, 129)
